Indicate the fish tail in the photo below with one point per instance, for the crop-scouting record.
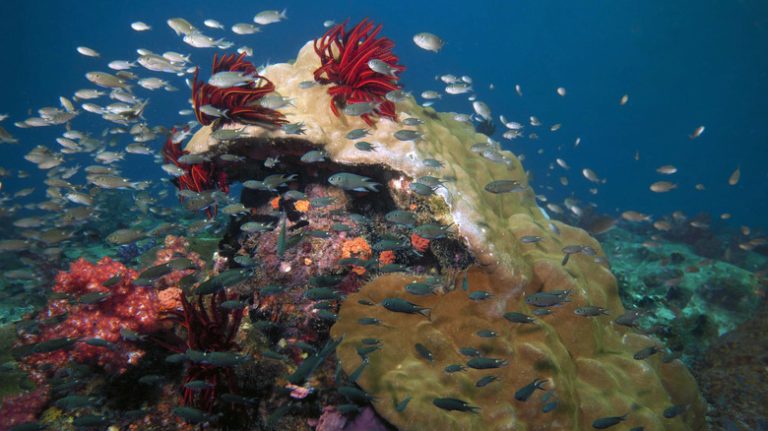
(426, 312)
(140, 185)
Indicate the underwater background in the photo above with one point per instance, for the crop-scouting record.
(690, 259)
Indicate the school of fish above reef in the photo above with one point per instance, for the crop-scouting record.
(386, 266)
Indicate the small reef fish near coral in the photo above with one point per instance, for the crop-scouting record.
(321, 243)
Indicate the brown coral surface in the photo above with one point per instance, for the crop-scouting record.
(587, 362)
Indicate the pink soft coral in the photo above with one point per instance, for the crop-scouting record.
(23, 408)
(123, 306)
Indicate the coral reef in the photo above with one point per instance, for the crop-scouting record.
(450, 300)
(685, 299)
(732, 375)
(478, 214)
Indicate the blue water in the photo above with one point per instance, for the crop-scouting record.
(683, 64)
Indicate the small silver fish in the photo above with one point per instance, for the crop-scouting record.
(396, 95)
(590, 311)
(364, 146)
(430, 95)
(428, 41)
(242, 28)
(307, 84)
(275, 101)
(412, 121)
(140, 26)
(358, 109)
(293, 128)
(173, 170)
(380, 66)
(504, 186)
(88, 52)
(228, 79)
(253, 227)
(407, 135)
(212, 23)
(357, 134)
(349, 181)
(213, 111)
(270, 17)
(314, 156)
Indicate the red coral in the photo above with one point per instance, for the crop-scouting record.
(344, 61)
(23, 408)
(124, 306)
(199, 177)
(242, 102)
(419, 243)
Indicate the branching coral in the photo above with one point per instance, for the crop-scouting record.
(239, 103)
(344, 61)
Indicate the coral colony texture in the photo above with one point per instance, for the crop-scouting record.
(404, 341)
(409, 283)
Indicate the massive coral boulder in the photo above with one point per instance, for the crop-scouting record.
(587, 361)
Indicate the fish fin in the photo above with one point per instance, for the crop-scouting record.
(426, 312)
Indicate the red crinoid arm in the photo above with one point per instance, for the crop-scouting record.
(234, 99)
(344, 61)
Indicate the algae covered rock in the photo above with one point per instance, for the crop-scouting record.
(585, 362)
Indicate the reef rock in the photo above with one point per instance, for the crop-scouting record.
(587, 361)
